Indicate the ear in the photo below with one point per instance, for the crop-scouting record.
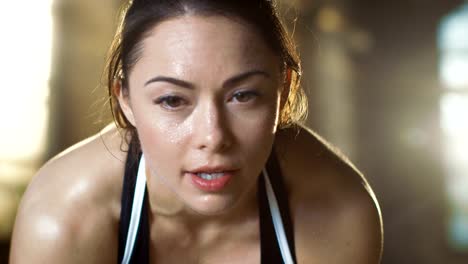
(123, 97)
(286, 88)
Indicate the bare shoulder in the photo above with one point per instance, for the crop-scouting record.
(71, 208)
(336, 215)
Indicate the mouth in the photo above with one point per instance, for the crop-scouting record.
(211, 180)
(210, 176)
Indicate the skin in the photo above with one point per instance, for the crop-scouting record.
(204, 121)
(70, 212)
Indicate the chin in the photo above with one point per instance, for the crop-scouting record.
(212, 205)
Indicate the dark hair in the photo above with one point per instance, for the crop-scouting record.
(140, 16)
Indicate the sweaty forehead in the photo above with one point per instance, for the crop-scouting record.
(190, 46)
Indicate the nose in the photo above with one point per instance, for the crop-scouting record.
(212, 129)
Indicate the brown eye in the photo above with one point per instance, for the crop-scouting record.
(245, 96)
(171, 102)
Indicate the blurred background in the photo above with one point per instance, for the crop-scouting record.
(387, 83)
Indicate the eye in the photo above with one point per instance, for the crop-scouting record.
(170, 102)
(245, 96)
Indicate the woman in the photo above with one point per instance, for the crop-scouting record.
(212, 166)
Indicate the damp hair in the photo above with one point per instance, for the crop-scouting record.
(138, 17)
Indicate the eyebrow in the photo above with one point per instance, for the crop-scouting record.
(230, 82)
(171, 80)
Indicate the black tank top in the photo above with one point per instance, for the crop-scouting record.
(270, 247)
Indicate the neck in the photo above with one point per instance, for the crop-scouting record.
(166, 206)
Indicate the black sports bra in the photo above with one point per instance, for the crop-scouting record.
(276, 230)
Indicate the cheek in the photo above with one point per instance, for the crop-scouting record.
(263, 119)
(256, 130)
(172, 130)
(161, 134)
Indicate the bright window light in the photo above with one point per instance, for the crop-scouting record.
(25, 47)
(454, 123)
(454, 70)
(454, 110)
(26, 28)
(453, 46)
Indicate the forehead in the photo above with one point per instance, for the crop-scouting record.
(189, 46)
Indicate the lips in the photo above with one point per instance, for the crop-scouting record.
(211, 179)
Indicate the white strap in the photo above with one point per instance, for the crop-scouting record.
(277, 221)
(138, 204)
(136, 211)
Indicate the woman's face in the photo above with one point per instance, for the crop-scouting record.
(204, 97)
